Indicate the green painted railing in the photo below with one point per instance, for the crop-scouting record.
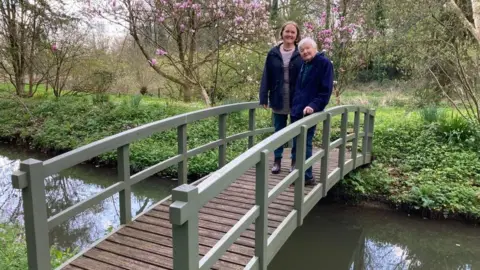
(189, 199)
(30, 177)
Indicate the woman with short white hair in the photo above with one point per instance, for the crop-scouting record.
(312, 92)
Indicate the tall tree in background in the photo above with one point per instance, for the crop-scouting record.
(22, 27)
(188, 26)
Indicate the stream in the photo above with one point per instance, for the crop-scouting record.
(332, 237)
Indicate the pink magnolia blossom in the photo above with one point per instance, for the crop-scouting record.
(160, 52)
(152, 61)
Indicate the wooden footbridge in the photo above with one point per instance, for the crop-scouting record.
(238, 217)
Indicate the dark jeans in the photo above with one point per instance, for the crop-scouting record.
(279, 122)
(310, 134)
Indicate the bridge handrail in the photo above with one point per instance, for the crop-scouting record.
(189, 199)
(30, 177)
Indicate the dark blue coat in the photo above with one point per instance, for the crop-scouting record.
(316, 87)
(271, 87)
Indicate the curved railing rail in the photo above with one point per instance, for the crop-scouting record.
(189, 199)
(30, 177)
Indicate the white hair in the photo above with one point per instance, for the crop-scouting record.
(307, 40)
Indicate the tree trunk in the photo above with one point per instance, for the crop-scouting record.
(461, 16)
(30, 82)
(337, 96)
(206, 97)
(20, 84)
(274, 10)
(476, 14)
(328, 8)
(187, 92)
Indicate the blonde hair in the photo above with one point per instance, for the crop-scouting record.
(297, 39)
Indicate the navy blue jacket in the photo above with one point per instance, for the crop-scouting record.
(271, 87)
(316, 88)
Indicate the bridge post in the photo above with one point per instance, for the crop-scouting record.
(261, 199)
(182, 150)
(343, 136)
(30, 179)
(184, 219)
(326, 149)
(123, 168)
(371, 125)
(251, 127)
(300, 166)
(366, 120)
(356, 130)
(222, 134)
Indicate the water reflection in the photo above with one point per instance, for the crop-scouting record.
(70, 187)
(338, 237)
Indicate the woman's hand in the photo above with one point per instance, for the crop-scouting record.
(265, 106)
(307, 110)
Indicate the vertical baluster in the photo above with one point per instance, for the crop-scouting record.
(343, 136)
(30, 179)
(366, 120)
(300, 166)
(356, 130)
(184, 220)
(326, 148)
(182, 150)
(123, 169)
(261, 199)
(371, 126)
(251, 127)
(222, 134)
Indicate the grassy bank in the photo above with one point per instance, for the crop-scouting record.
(13, 254)
(56, 126)
(426, 160)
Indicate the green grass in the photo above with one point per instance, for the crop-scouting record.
(13, 251)
(422, 163)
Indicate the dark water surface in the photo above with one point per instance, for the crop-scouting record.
(336, 237)
(333, 237)
(70, 187)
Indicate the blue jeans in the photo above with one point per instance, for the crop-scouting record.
(279, 122)
(310, 134)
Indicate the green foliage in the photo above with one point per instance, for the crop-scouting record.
(67, 123)
(429, 160)
(13, 254)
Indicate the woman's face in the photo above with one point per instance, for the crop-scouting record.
(289, 34)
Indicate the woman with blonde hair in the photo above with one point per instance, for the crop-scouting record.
(281, 69)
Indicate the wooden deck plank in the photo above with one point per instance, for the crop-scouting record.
(117, 260)
(71, 267)
(157, 233)
(207, 232)
(90, 264)
(232, 257)
(217, 223)
(154, 259)
(146, 243)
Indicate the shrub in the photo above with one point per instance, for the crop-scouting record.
(422, 162)
(13, 254)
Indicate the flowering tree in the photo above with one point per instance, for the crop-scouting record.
(179, 38)
(337, 37)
